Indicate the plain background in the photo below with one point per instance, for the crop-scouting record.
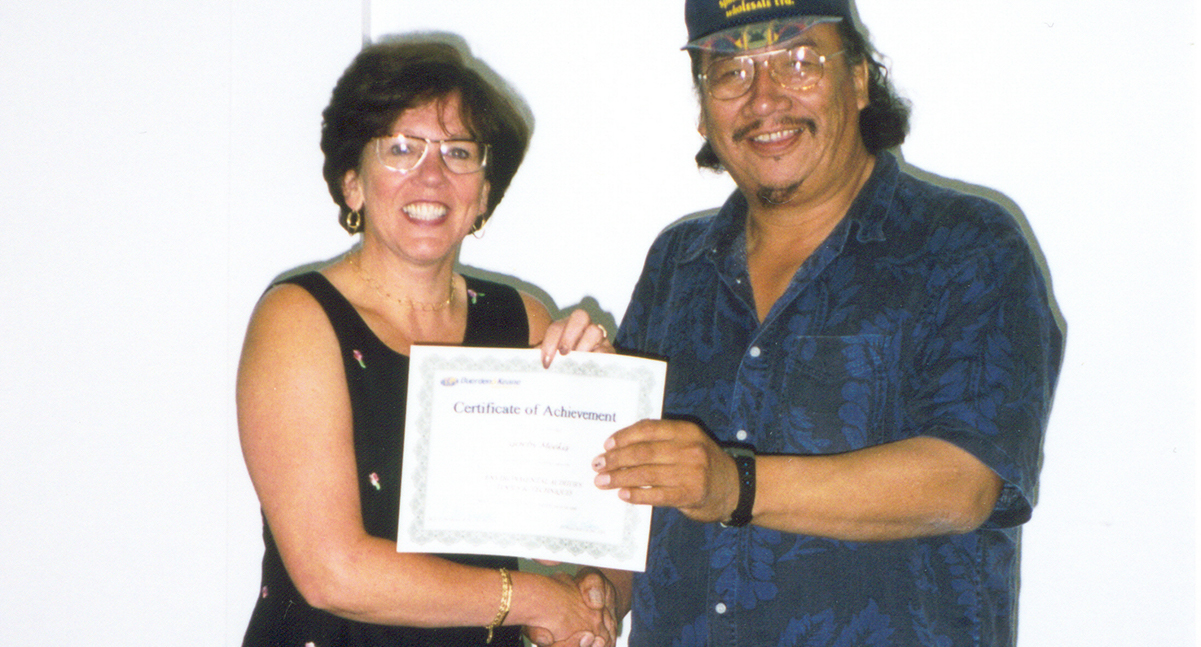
(160, 165)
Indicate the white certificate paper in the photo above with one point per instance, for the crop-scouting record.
(498, 453)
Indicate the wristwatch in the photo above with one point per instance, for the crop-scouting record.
(744, 459)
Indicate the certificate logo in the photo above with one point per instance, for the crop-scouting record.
(478, 381)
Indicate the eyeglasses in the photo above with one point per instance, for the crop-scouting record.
(798, 68)
(403, 153)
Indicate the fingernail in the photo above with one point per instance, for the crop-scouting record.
(601, 480)
(598, 463)
(596, 597)
(610, 443)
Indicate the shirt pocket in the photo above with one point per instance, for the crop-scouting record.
(835, 393)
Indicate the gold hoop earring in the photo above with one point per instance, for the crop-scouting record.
(480, 226)
(353, 222)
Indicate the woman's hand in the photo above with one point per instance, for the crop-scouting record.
(575, 332)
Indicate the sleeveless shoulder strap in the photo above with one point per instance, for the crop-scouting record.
(495, 315)
(351, 330)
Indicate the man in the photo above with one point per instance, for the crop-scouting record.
(861, 367)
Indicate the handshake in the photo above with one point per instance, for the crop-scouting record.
(579, 611)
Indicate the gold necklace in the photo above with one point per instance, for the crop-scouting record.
(404, 303)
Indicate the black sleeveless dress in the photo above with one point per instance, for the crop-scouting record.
(377, 377)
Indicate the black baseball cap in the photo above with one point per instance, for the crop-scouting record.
(742, 25)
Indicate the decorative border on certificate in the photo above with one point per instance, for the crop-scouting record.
(498, 450)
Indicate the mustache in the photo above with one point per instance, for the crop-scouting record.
(786, 121)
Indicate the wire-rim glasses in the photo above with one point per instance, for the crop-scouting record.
(403, 153)
(796, 68)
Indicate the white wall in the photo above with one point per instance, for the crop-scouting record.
(160, 165)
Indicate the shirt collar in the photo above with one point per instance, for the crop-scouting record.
(868, 213)
(871, 207)
(723, 229)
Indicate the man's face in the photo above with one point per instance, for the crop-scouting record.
(785, 145)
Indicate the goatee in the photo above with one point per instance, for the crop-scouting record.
(775, 196)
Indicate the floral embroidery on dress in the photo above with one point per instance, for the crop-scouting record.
(264, 592)
(472, 294)
(359, 357)
(374, 478)
(310, 644)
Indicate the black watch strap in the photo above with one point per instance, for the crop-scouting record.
(744, 459)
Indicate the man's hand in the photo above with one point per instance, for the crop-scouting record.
(600, 594)
(670, 463)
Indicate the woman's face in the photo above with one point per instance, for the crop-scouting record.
(421, 215)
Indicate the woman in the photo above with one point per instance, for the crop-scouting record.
(419, 149)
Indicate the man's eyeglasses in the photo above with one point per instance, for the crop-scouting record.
(798, 68)
(403, 153)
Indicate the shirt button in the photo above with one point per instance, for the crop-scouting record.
(741, 435)
(720, 608)
(755, 352)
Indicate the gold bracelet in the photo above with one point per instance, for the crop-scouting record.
(506, 598)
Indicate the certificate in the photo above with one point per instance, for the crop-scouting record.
(498, 453)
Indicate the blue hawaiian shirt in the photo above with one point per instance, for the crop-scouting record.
(923, 313)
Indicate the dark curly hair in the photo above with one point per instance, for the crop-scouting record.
(883, 123)
(388, 78)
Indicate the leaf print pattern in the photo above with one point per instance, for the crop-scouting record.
(869, 628)
(923, 313)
